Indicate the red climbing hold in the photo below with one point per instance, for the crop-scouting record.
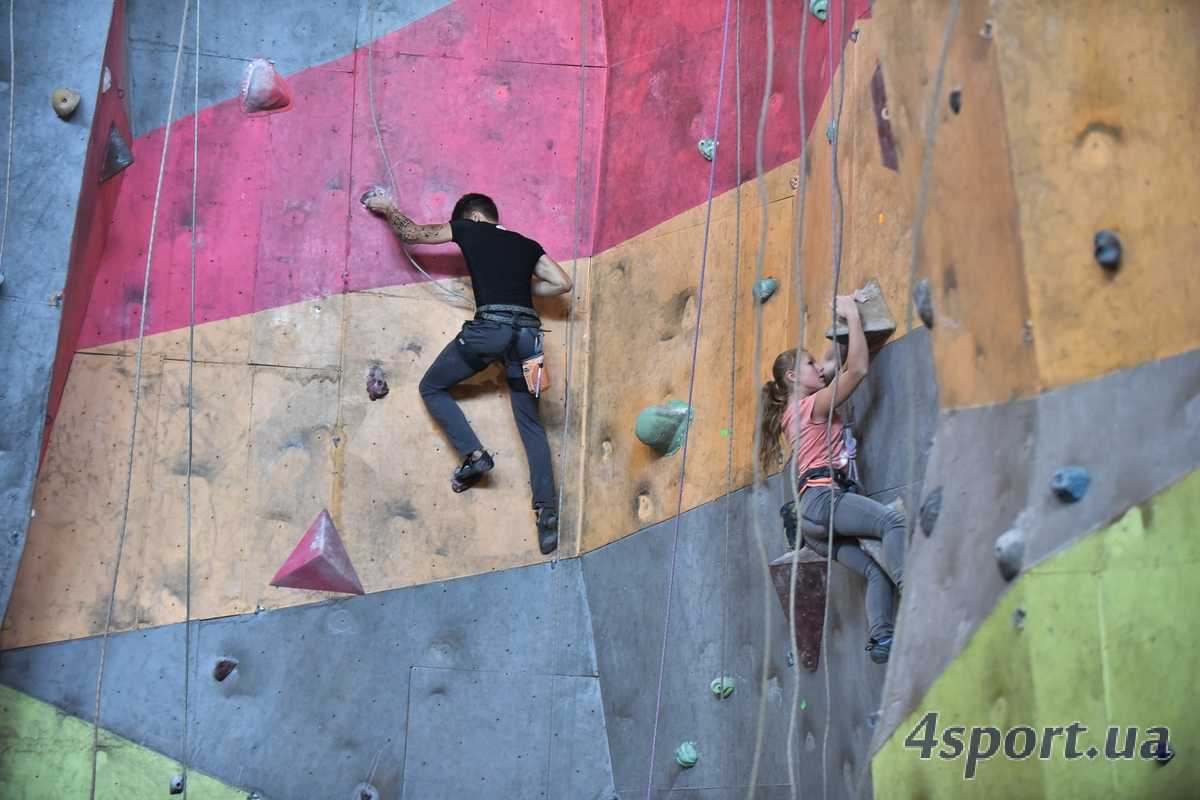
(263, 89)
(319, 562)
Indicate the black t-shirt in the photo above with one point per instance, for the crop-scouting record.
(500, 261)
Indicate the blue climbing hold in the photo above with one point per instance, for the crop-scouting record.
(764, 288)
(686, 755)
(707, 148)
(831, 132)
(819, 8)
(1070, 484)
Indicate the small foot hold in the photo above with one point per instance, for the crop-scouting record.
(547, 524)
(471, 471)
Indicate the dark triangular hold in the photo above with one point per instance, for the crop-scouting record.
(117, 155)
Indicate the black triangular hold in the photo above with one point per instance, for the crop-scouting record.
(117, 156)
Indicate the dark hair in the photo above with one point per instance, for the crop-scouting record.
(475, 202)
(774, 400)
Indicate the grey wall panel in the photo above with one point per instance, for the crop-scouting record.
(320, 695)
(295, 36)
(505, 734)
(721, 611)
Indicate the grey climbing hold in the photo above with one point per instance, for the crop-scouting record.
(1010, 552)
(377, 385)
(64, 102)
(791, 662)
(722, 687)
(176, 784)
(664, 427)
(1070, 484)
(819, 9)
(686, 755)
(1107, 249)
(872, 720)
(224, 667)
(923, 298)
(831, 132)
(117, 155)
(707, 148)
(1018, 619)
(931, 508)
(764, 288)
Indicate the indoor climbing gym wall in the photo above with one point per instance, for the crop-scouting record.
(231, 562)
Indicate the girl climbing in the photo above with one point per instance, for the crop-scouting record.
(797, 405)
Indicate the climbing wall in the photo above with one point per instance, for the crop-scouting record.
(923, 146)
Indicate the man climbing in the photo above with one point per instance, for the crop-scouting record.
(507, 270)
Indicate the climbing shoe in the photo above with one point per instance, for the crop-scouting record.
(879, 649)
(547, 524)
(471, 471)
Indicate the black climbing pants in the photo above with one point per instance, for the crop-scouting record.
(479, 344)
(856, 517)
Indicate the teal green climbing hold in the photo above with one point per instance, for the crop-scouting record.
(819, 8)
(708, 148)
(803, 704)
(664, 427)
(764, 288)
(722, 687)
(686, 755)
(831, 132)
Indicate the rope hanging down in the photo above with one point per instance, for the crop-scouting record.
(756, 517)
(383, 150)
(12, 95)
(712, 178)
(790, 472)
(191, 352)
(137, 393)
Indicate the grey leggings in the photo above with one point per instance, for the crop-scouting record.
(854, 517)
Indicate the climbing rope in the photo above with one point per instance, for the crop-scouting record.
(137, 387)
(191, 351)
(731, 410)
(756, 517)
(712, 179)
(837, 217)
(383, 150)
(12, 96)
(790, 472)
(555, 577)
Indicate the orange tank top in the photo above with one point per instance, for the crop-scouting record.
(807, 437)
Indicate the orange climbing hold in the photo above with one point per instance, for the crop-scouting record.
(319, 562)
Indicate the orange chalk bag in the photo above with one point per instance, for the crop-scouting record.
(537, 380)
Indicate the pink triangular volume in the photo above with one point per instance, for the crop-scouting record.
(319, 562)
(263, 89)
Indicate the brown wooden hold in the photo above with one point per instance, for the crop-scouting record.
(807, 616)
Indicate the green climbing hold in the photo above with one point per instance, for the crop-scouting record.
(664, 427)
(831, 132)
(803, 704)
(722, 687)
(686, 755)
(708, 148)
(724, 433)
(764, 288)
(819, 8)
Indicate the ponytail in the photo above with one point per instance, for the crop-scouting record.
(775, 394)
(774, 401)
